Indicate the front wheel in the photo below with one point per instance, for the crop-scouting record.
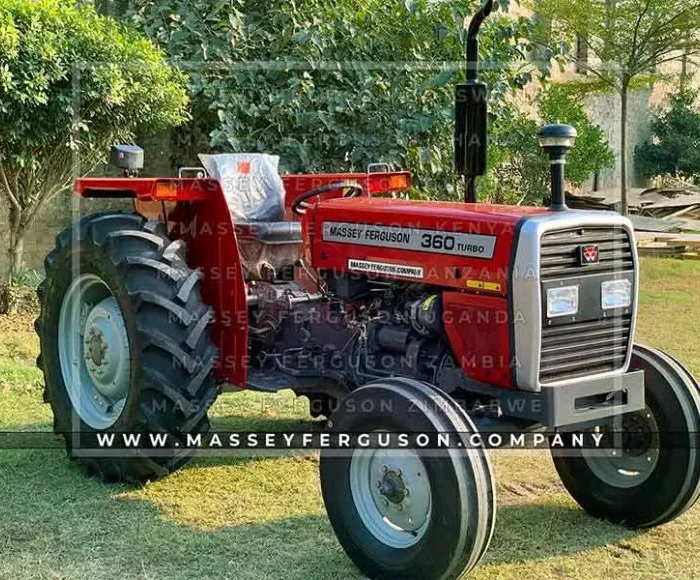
(654, 476)
(408, 513)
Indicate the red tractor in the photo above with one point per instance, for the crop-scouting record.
(390, 315)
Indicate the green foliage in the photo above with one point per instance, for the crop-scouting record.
(335, 86)
(74, 81)
(519, 170)
(626, 38)
(71, 84)
(559, 102)
(674, 148)
(27, 277)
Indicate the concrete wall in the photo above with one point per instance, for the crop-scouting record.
(604, 110)
(54, 217)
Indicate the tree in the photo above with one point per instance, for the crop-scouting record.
(674, 148)
(333, 86)
(626, 40)
(71, 84)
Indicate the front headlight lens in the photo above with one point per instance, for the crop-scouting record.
(616, 294)
(562, 301)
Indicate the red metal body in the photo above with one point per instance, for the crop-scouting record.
(196, 211)
(475, 305)
(475, 310)
(440, 269)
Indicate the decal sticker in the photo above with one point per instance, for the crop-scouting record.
(434, 241)
(481, 285)
(385, 268)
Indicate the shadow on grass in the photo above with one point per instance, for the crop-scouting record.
(540, 531)
(54, 517)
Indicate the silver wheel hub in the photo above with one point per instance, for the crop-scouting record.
(632, 462)
(106, 349)
(392, 495)
(94, 354)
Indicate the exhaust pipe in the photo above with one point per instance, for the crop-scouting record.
(471, 112)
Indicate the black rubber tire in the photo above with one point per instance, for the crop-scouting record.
(463, 496)
(321, 405)
(171, 385)
(673, 397)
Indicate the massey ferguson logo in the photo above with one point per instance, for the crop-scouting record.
(589, 255)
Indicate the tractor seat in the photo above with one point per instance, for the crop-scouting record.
(270, 232)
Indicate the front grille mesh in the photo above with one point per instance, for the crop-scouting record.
(584, 348)
(560, 252)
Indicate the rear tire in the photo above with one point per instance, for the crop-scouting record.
(658, 477)
(441, 528)
(124, 342)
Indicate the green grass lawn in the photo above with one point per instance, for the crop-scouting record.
(264, 518)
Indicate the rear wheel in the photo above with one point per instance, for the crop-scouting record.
(124, 342)
(408, 513)
(654, 476)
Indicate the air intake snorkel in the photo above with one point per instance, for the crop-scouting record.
(557, 140)
(471, 112)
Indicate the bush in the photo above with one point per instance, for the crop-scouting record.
(72, 83)
(19, 297)
(674, 148)
(592, 153)
(344, 83)
(519, 169)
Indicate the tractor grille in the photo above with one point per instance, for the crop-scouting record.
(590, 346)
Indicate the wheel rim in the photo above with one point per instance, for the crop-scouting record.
(634, 462)
(93, 349)
(392, 495)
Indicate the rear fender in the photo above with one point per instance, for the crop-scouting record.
(207, 228)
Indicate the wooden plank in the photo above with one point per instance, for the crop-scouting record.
(690, 243)
(660, 249)
(683, 238)
(676, 202)
(681, 212)
(690, 256)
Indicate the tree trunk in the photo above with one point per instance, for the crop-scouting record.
(624, 94)
(684, 66)
(16, 245)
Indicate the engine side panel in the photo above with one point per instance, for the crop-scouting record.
(457, 246)
(478, 330)
(465, 250)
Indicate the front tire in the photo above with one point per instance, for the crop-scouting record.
(655, 477)
(407, 513)
(124, 342)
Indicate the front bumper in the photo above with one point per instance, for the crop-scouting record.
(585, 401)
(592, 400)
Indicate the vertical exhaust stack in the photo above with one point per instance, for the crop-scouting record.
(557, 140)
(471, 112)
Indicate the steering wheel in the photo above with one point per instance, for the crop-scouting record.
(300, 205)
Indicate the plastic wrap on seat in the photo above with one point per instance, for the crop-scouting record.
(251, 184)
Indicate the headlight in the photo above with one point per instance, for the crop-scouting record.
(616, 294)
(562, 301)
